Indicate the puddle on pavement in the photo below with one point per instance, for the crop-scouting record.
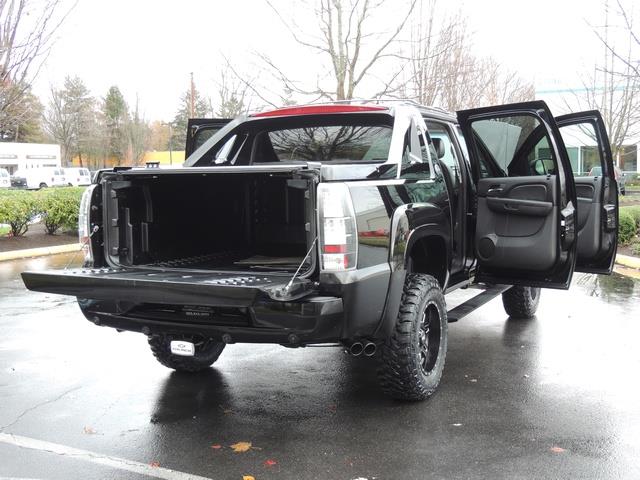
(615, 288)
(12, 269)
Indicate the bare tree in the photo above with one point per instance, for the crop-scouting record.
(613, 84)
(70, 118)
(139, 134)
(347, 40)
(445, 72)
(27, 29)
(232, 95)
(630, 57)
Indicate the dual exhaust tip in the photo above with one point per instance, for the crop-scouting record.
(368, 349)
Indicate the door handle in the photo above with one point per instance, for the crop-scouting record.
(495, 191)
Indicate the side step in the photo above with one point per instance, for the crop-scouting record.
(476, 302)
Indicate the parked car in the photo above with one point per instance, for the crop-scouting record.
(76, 176)
(5, 179)
(34, 178)
(619, 174)
(341, 224)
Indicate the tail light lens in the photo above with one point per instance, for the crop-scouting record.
(84, 223)
(338, 233)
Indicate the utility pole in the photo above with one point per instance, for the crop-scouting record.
(192, 109)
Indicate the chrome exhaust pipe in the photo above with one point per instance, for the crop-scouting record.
(356, 349)
(370, 349)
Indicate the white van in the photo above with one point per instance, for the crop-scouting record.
(43, 177)
(5, 180)
(77, 176)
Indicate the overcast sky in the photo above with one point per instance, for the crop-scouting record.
(148, 47)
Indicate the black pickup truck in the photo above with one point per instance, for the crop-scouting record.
(346, 224)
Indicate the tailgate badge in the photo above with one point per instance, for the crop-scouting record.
(182, 348)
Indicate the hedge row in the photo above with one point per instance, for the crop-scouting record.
(57, 207)
(629, 224)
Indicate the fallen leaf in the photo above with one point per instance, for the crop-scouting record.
(333, 408)
(226, 411)
(270, 463)
(457, 424)
(89, 431)
(248, 477)
(216, 446)
(154, 464)
(557, 449)
(474, 380)
(241, 447)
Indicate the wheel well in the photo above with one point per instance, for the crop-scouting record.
(429, 255)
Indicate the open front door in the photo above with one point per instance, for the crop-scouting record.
(525, 218)
(199, 130)
(587, 144)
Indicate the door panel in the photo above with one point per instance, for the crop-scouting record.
(525, 218)
(521, 215)
(586, 141)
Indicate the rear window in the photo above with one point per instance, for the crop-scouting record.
(343, 143)
(339, 138)
(3, 173)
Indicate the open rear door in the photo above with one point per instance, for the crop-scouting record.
(587, 144)
(525, 217)
(199, 130)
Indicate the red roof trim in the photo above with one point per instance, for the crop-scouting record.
(319, 109)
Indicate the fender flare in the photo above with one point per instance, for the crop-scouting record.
(410, 224)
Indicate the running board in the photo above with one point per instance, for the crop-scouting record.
(476, 302)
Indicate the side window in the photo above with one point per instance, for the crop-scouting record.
(202, 135)
(513, 146)
(581, 142)
(442, 149)
(415, 157)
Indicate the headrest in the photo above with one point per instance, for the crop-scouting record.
(438, 144)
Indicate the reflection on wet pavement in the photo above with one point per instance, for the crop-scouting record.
(552, 397)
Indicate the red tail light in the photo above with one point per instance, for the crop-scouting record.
(338, 231)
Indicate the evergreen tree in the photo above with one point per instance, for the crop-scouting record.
(116, 116)
(179, 125)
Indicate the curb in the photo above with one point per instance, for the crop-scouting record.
(39, 252)
(627, 261)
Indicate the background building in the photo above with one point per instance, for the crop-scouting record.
(28, 155)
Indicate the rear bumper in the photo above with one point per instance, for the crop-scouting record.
(314, 320)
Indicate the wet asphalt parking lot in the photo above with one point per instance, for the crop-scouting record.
(553, 397)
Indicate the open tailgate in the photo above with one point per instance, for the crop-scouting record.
(223, 289)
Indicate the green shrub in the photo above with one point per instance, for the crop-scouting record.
(635, 248)
(626, 228)
(59, 208)
(17, 209)
(634, 211)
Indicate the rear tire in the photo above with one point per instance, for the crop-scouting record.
(412, 358)
(521, 302)
(42, 185)
(207, 352)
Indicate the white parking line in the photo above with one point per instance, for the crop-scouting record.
(106, 460)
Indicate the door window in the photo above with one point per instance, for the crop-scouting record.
(513, 146)
(581, 142)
